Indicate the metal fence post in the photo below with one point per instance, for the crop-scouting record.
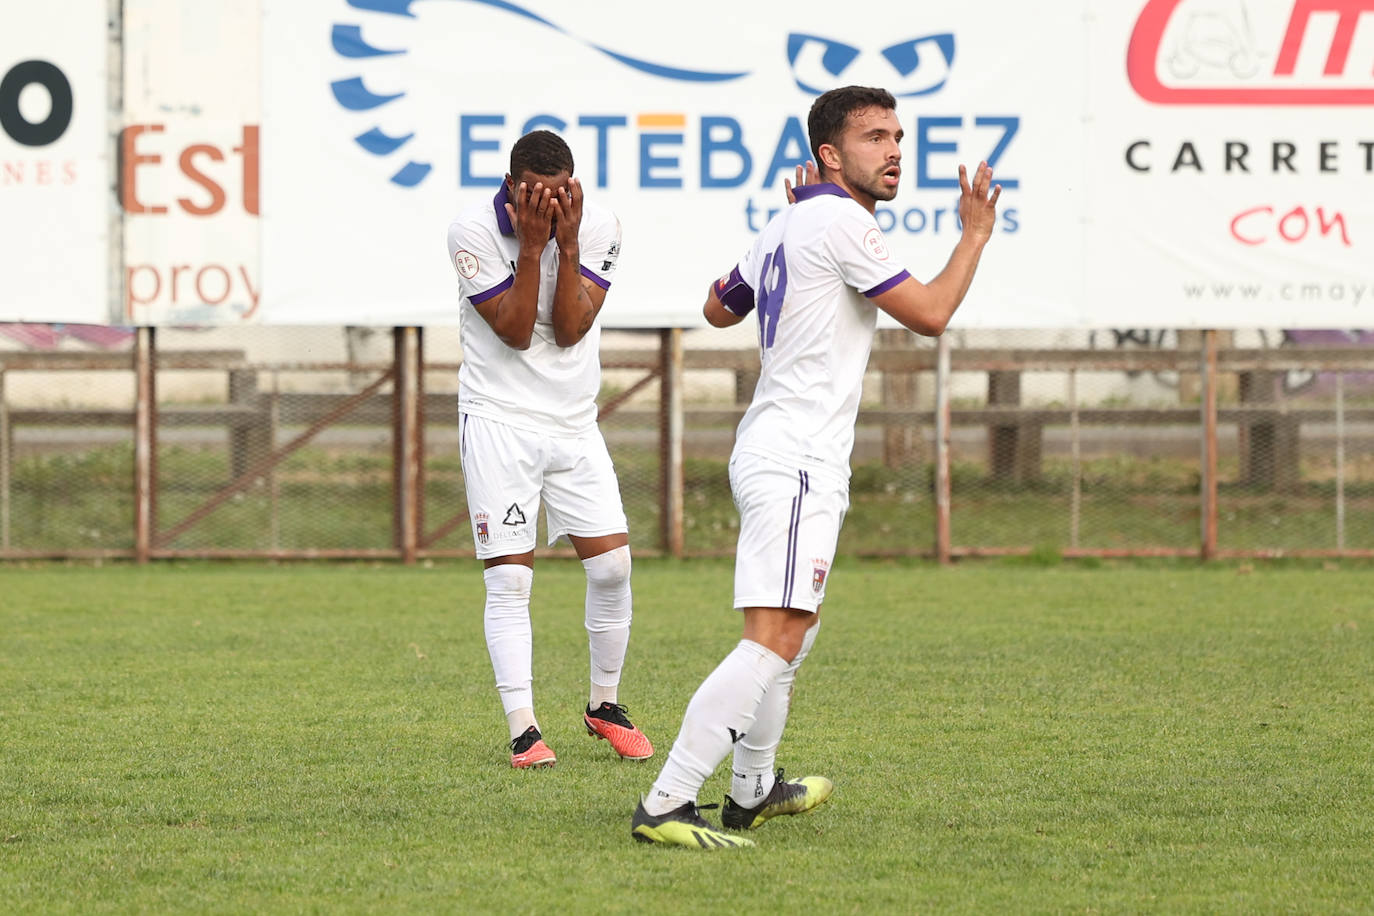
(942, 433)
(145, 443)
(1340, 461)
(273, 484)
(1076, 459)
(407, 440)
(670, 430)
(1208, 370)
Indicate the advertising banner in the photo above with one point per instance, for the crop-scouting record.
(1164, 163)
(188, 151)
(54, 165)
(1232, 155)
(384, 118)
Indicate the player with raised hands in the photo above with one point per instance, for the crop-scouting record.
(816, 277)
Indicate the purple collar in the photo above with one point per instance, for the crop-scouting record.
(808, 191)
(502, 218)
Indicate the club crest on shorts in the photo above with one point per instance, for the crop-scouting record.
(483, 532)
(819, 568)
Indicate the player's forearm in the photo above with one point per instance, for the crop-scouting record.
(514, 319)
(573, 311)
(715, 312)
(951, 284)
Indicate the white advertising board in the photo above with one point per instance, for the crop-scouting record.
(188, 148)
(384, 118)
(1165, 163)
(1232, 156)
(54, 166)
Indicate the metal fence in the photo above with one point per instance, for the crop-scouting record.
(334, 442)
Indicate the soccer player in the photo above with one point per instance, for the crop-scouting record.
(816, 276)
(534, 265)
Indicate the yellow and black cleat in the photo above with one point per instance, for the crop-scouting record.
(785, 798)
(683, 826)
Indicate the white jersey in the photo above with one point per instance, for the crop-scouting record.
(812, 271)
(546, 388)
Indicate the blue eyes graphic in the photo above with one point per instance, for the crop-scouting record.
(922, 63)
(816, 60)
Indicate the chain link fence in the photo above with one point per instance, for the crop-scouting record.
(286, 442)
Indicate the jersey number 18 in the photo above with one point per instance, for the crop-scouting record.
(772, 289)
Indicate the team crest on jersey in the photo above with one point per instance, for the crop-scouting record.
(819, 568)
(483, 532)
(873, 242)
(466, 262)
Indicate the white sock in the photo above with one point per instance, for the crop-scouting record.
(520, 721)
(510, 640)
(608, 621)
(721, 713)
(756, 754)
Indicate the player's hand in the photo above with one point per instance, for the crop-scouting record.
(978, 209)
(567, 208)
(532, 214)
(808, 175)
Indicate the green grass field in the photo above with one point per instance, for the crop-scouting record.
(1003, 738)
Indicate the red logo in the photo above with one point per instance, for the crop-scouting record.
(466, 262)
(817, 579)
(873, 241)
(1213, 59)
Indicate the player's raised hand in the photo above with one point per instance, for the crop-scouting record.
(978, 209)
(532, 214)
(805, 176)
(567, 208)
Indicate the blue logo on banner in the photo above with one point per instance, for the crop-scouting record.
(353, 95)
(675, 151)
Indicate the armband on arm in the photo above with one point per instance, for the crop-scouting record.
(734, 293)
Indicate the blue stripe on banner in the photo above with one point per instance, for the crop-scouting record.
(380, 144)
(353, 95)
(348, 42)
(411, 174)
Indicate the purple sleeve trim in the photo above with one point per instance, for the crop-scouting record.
(595, 277)
(733, 293)
(887, 285)
(498, 288)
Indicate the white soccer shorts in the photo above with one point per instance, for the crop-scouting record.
(789, 524)
(507, 470)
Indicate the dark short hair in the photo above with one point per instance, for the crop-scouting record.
(542, 152)
(830, 112)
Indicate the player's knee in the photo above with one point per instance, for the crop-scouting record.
(610, 569)
(508, 585)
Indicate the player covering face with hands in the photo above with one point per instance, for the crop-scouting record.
(534, 265)
(815, 278)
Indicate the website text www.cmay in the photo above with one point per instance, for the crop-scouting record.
(1354, 293)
